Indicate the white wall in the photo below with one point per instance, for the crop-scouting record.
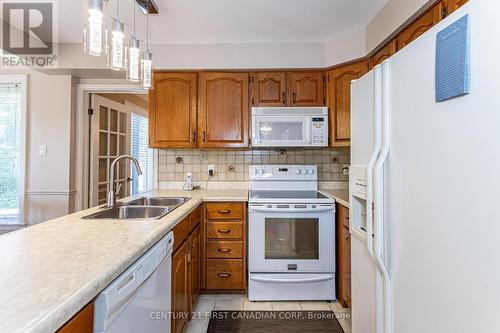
(49, 191)
(390, 18)
(346, 47)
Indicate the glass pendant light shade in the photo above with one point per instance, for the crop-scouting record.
(147, 70)
(117, 52)
(134, 60)
(94, 35)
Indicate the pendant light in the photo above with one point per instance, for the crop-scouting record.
(147, 60)
(94, 35)
(134, 56)
(117, 52)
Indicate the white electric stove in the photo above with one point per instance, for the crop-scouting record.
(291, 235)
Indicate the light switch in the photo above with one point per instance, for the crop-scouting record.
(43, 150)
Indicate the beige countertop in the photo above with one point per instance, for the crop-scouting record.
(340, 196)
(51, 270)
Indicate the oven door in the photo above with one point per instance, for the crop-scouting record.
(292, 238)
(275, 131)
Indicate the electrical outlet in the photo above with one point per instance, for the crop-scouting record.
(211, 170)
(345, 169)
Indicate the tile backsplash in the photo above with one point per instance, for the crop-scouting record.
(232, 164)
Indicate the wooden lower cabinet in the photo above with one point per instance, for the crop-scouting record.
(225, 247)
(82, 322)
(186, 270)
(344, 257)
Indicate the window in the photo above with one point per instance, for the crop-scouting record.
(12, 140)
(139, 142)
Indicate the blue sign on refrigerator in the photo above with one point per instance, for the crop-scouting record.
(453, 60)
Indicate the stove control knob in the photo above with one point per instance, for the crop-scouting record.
(311, 171)
(304, 171)
(262, 171)
(256, 171)
(297, 171)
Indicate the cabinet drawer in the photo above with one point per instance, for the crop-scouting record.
(225, 274)
(225, 211)
(225, 249)
(181, 232)
(224, 230)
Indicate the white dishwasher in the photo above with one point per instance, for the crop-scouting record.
(139, 300)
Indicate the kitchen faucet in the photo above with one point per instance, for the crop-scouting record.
(111, 199)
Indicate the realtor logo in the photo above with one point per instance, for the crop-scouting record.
(28, 33)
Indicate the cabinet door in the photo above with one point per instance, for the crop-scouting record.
(180, 289)
(194, 265)
(172, 110)
(269, 89)
(339, 101)
(451, 5)
(347, 267)
(82, 322)
(420, 26)
(306, 89)
(223, 118)
(386, 52)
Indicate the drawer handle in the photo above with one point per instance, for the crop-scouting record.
(224, 275)
(224, 211)
(224, 250)
(224, 231)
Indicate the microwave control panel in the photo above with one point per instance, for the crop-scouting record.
(319, 131)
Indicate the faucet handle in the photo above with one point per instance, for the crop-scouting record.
(118, 188)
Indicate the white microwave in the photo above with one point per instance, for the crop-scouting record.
(290, 127)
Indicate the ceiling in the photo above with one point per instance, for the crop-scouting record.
(232, 21)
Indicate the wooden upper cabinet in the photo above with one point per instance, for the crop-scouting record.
(306, 88)
(420, 26)
(449, 6)
(269, 89)
(386, 52)
(339, 101)
(223, 110)
(172, 110)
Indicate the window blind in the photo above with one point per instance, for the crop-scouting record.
(10, 150)
(139, 141)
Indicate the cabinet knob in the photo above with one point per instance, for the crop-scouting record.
(294, 98)
(284, 97)
(224, 231)
(224, 275)
(204, 136)
(224, 211)
(194, 136)
(224, 250)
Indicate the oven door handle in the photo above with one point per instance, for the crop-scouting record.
(304, 280)
(291, 210)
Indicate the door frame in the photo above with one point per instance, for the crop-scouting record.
(82, 135)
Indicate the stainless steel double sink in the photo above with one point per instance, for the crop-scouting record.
(141, 208)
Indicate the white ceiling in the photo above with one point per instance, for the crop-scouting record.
(232, 21)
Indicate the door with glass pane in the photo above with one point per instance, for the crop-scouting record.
(110, 139)
(291, 242)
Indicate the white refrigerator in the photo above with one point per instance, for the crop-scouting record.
(425, 184)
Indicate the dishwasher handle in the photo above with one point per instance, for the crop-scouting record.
(290, 280)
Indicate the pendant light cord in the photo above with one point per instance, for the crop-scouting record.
(133, 4)
(147, 27)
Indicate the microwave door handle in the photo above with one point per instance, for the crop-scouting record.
(308, 129)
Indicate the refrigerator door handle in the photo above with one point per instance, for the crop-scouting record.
(373, 159)
(379, 198)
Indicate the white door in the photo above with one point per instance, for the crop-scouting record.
(110, 138)
(284, 239)
(442, 187)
